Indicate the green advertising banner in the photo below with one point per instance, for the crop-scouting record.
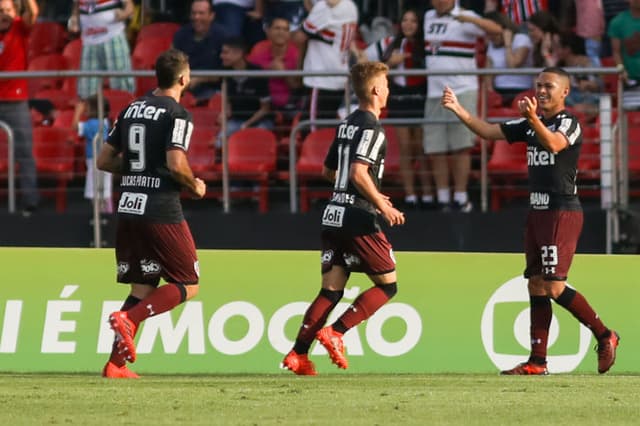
(454, 312)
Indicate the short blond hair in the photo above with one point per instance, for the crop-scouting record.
(362, 75)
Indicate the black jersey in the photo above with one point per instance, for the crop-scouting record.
(552, 177)
(145, 130)
(359, 138)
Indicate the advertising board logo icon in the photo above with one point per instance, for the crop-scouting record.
(515, 291)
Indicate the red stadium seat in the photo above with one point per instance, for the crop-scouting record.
(63, 119)
(188, 100)
(610, 80)
(205, 118)
(633, 139)
(502, 113)
(589, 161)
(309, 166)
(46, 37)
(157, 30)
(252, 157)
(118, 100)
(392, 159)
(54, 156)
(72, 52)
(144, 58)
(507, 170)
(60, 98)
(530, 93)
(48, 62)
(202, 154)
(215, 102)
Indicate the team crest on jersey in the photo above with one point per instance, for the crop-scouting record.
(327, 256)
(123, 268)
(1, 47)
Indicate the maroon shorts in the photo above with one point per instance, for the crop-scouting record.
(550, 241)
(146, 252)
(371, 253)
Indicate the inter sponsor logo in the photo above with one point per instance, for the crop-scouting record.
(537, 158)
(140, 109)
(347, 131)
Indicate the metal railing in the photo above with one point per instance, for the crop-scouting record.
(11, 171)
(616, 178)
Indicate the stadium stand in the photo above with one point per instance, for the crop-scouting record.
(46, 37)
(54, 156)
(252, 157)
(309, 166)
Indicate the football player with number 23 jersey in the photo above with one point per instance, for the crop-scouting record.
(554, 221)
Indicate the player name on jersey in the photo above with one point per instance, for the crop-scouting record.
(140, 181)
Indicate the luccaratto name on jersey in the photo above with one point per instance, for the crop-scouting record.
(140, 181)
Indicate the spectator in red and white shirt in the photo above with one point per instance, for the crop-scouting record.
(407, 96)
(450, 35)
(14, 109)
(518, 11)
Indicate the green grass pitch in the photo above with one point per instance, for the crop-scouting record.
(337, 398)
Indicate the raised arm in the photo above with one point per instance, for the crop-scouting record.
(30, 12)
(553, 141)
(487, 25)
(478, 126)
(126, 11)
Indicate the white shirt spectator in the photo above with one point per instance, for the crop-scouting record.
(450, 45)
(98, 20)
(499, 60)
(331, 31)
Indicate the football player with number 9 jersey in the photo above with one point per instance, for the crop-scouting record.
(148, 149)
